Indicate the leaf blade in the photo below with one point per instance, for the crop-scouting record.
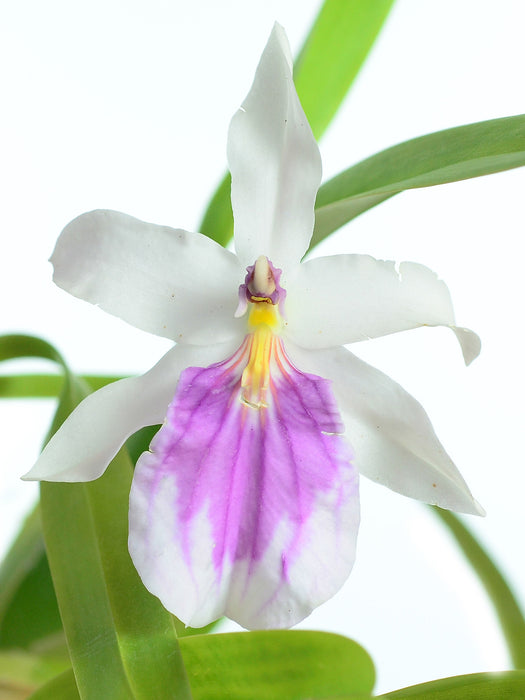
(445, 156)
(333, 53)
(45, 386)
(27, 592)
(28, 607)
(122, 642)
(107, 613)
(289, 664)
(510, 615)
(475, 686)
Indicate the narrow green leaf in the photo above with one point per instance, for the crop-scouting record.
(509, 685)
(23, 556)
(276, 664)
(445, 156)
(28, 606)
(17, 345)
(22, 386)
(217, 222)
(505, 604)
(44, 386)
(333, 53)
(73, 389)
(122, 641)
(331, 56)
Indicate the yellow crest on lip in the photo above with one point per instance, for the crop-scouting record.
(263, 321)
(264, 313)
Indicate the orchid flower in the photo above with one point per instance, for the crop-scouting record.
(246, 504)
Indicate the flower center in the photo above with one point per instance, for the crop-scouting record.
(263, 294)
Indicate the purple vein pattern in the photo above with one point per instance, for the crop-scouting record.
(245, 510)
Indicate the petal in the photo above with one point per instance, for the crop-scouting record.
(391, 434)
(242, 511)
(92, 435)
(275, 164)
(342, 299)
(164, 281)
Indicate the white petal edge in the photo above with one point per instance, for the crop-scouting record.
(469, 341)
(165, 281)
(392, 437)
(263, 604)
(250, 593)
(341, 299)
(92, 435)
(275, 164)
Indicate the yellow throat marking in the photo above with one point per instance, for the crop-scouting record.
(263, 321)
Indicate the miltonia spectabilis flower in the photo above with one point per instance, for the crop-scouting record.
(247, 503)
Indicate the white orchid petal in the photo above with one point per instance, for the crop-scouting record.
(391, 434)
(275, 164)
(251, 593)
(342, 299)
(164, 281)
(92, 435)
(469, 341)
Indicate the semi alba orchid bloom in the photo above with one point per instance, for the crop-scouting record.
(247, 503)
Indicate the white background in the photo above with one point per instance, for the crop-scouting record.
(126, 104)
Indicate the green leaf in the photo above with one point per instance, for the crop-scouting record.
(28, 605)
(73, 390)
(121, 640)
(44, 386)
(445, 156)
(217, 222)
(22, 386)
(505, 604)
(509, 685)
(331, 56)
(276, 664)
(15, 346)
(292, 665)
